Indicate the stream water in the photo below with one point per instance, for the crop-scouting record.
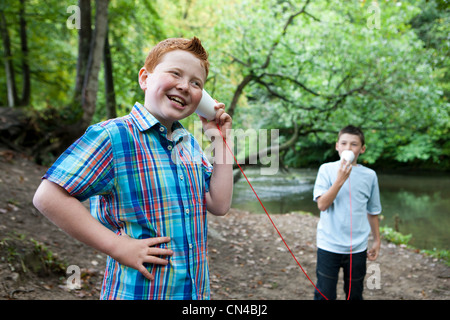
(414, 204)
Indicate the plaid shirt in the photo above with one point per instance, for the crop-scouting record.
(149, 186)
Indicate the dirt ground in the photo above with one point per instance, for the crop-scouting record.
(248, 260)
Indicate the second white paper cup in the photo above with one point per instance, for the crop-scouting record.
(348, 155)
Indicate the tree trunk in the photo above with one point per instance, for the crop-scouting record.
(84, 43)
(237, 94)
(109, 81)
(90, 85)
(9, 68)
(26, 81)
(264, 152)
(90, 57)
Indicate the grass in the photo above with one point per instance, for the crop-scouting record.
(395, 237)
(26, 255)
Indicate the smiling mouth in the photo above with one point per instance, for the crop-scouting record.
(177, 100)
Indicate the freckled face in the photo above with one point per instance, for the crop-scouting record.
(174, 89)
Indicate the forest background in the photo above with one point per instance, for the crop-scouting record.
(307, 68)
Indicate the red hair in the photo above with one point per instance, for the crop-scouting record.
(193, 46)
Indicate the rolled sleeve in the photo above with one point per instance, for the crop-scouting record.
(85, 169)
(374, 203)
(322, 183)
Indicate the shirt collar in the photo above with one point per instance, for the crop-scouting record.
(144, 120)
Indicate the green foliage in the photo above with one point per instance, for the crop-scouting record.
(443, 255)
(397, 238)
(47, 260)
(51, 47)
(382, 76)
(321, 68)
(28, 255)
(393, 236)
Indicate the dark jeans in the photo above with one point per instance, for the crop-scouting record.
(328, 265)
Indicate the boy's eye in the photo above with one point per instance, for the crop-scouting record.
(175, 73)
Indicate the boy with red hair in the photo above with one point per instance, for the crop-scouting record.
(148, 212)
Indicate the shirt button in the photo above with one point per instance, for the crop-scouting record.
(181, 177)
(187, 211)
(161, 129)
(190, 246)
(169, 148)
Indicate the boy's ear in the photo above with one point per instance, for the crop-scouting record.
(363, 149)
(143, 78)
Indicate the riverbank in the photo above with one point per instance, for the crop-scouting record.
(248, 260)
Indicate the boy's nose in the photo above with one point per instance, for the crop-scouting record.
(183, 84)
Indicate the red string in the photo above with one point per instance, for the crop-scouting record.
(273, 224)
(351, 243)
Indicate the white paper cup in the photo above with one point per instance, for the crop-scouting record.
(206, 107)
(348, 155)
